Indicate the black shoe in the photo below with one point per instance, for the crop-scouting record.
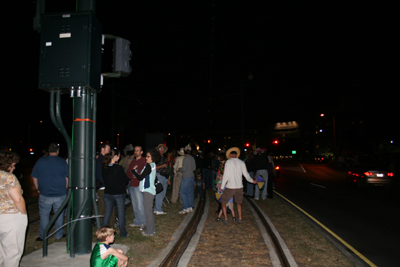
(39, 239)
(64, 235)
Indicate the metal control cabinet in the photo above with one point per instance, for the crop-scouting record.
(70, 51)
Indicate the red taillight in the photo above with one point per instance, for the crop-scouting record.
(368, 173)
(390, 174)
(277, 168)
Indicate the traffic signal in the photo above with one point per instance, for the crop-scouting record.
(275, 142)
(247, 145)
(122, 56)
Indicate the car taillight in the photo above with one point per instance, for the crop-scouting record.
(368, 173)
(390, 174)
(277, 168)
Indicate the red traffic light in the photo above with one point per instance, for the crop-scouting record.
(275, 142)
(247, 145)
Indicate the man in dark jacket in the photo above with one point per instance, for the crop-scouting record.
(260, 165)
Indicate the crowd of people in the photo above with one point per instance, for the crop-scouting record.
(188, 171)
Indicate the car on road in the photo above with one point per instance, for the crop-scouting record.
(320, 158)
(369, 172)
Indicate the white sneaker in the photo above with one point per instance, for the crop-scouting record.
(183, 212)
(160, 213)
(189, 210)
(144, 234)
(134, 225)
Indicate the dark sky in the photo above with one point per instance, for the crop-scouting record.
(191, 59)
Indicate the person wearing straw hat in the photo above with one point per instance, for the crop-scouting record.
(232, 180)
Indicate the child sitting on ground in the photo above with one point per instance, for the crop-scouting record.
(103, 255)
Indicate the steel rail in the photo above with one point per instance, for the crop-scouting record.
(282, 256)
(173, 257)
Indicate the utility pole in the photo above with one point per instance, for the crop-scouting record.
(70, 63)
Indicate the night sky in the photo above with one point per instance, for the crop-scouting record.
(191, 59)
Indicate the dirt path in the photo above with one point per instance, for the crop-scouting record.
(230, 245)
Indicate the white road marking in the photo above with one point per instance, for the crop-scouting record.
(317, 185)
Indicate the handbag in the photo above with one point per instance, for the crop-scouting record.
(158, 185)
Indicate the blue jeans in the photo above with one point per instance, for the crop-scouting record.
(119, 201)
(264, 174)
(250, 186)
(137, 205)
(45, 206)
(160, 196)
(187, 192)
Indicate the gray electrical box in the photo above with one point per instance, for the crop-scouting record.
(70, 51)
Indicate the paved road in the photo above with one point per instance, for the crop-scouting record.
(367, 219)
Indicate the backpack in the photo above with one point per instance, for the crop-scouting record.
(158, 185)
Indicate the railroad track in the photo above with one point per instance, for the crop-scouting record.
(278, 251)
(176, 254)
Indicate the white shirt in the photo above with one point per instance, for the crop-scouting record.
(233, 171)
(178, 163)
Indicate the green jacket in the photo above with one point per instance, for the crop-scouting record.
(96, 261)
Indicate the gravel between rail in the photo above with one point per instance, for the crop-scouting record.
(230, 245)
